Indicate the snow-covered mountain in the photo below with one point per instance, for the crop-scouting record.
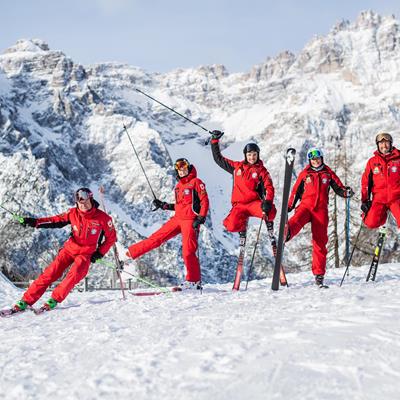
(61, 127)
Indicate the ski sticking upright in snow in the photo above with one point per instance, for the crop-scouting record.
(239, 268)
(290, 156)
(377, 253)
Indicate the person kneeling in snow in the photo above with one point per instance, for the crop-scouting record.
(312, 189)
(89, 226)
(191, 208)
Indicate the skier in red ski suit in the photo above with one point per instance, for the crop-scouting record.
(191, 208)
(253, 191)
(381, 181)
(86, 245)
(312, 189)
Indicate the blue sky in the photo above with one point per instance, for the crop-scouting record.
(163, 35)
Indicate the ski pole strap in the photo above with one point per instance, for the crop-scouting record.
(14, 215)
(18, 218)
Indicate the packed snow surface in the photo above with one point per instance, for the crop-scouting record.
(299, 343)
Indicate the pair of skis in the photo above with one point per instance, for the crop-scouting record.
(377, 254)
(375, 259)
(279, 276)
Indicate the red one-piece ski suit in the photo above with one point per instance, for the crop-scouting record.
(312, 189)
(250, 183)
(381, 179)
(191, 200)
(88, 230)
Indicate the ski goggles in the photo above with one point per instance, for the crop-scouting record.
(383, 136)
(181, 163)
(314, 154)
(83, 195)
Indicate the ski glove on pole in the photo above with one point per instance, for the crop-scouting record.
(215, 135)
(198, 221)
(266, 206)
(96, 256)
(29, 222)
(365, 206)
(159, 204)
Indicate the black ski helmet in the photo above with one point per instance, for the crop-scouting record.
(251, 147)
(83, 193)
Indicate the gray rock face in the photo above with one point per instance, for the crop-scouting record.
(61, 128)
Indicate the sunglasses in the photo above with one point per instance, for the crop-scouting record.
(314, 154)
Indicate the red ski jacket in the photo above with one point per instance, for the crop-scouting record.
(312, 188)
(381, 177)
(250, 181)
(191, 199)
(88, 230)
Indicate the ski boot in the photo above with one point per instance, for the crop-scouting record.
(19, 307)
(49, 305)
(186, 285)
(319, 280)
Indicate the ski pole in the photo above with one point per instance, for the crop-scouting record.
(176, 112)
(141, 166)
(351, 255)
(145, 281)
(250, 270)
(115, 250)
(15, 216)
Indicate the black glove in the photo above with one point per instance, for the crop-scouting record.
(198, 221)
(96, 256)
(215, 135)
(349, 192)
(159, 204)
(29, 222)
(365, 206)
(266, 206)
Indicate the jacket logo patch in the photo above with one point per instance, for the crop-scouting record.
(376, 170)
(308, 179)
(254, 175)
(202, 187)
(324, 181)
(186, 191)
(93, 231)
(110, 224)
(239, 172)
(394, 169)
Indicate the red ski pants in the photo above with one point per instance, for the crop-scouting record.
(54, 271)
(377, 214)
(171, 228)
(236, 221)
(319, 230)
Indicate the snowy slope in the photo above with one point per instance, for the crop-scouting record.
(298, 343)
